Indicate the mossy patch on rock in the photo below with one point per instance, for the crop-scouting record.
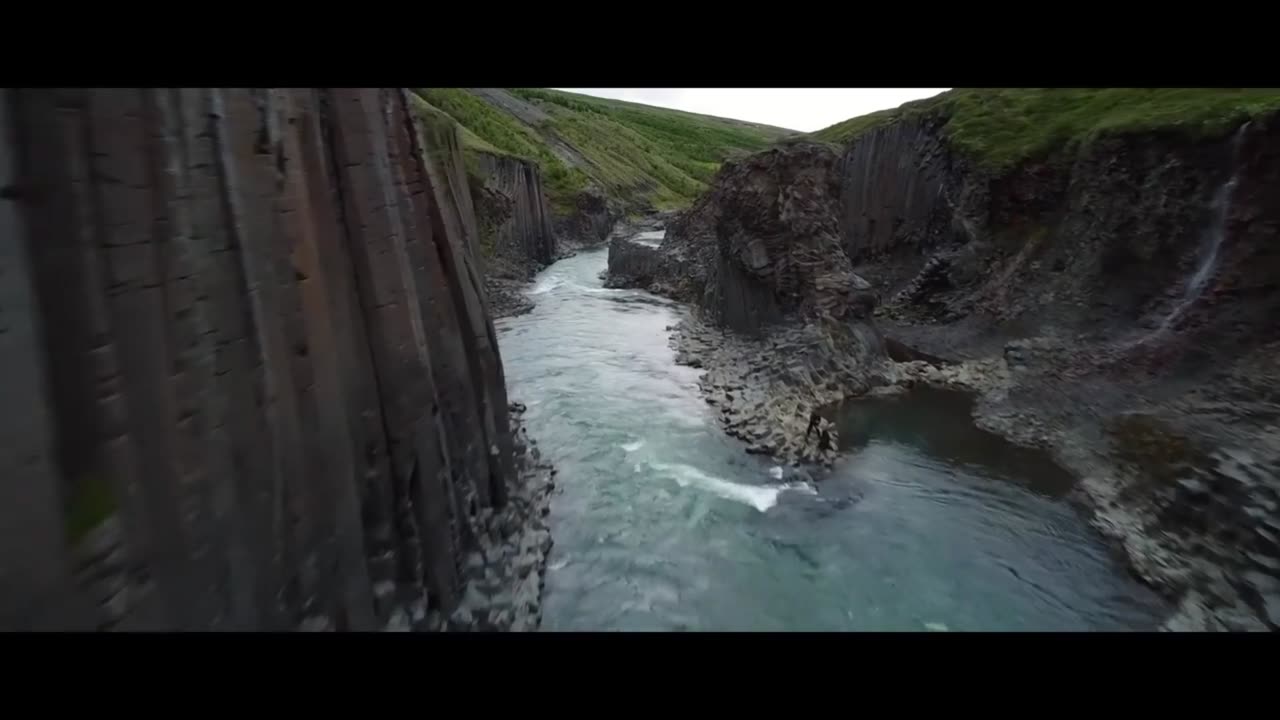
(90, 503)
(1156, 452)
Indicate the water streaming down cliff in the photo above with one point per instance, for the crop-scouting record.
(663, 522)
(1213, 237)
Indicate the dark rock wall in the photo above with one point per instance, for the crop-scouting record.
(590, 222)
(250, 378)
(633, 264)
(764, 242)
(895, 191)
(513, 211)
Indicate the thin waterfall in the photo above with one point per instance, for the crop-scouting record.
(1211, 242)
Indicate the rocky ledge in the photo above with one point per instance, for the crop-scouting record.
(633, 264)
(766, 388)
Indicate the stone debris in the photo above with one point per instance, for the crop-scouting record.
(505, 576)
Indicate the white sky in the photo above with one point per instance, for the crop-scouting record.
(803, 109)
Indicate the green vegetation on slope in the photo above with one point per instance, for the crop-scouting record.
(494, 128)
(635, 153)
(90, 504)
(469, 139)
(1001, 127)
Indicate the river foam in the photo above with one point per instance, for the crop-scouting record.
(759, 497)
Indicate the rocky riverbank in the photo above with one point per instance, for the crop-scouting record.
(1181, 477)
(767, 388)
(505, 574)
(765, 401)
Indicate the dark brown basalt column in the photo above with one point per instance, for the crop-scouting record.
(250, 381)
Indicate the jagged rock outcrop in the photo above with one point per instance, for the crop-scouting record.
(764, 243)
(513, 214)
(251, 380)
(636, 265)
(590, 221)
(760, 254)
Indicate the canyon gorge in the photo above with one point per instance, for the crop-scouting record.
(447, 359)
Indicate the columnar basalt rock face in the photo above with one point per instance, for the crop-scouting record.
(760, 254)
(635, 265)
(764, 243)
(513, 228)
(896, 191)
(274, 396)
(515, 212)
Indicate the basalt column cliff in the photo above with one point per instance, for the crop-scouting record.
(250, 379)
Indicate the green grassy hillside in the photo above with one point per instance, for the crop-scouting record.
(1001, 127)
(637, 154)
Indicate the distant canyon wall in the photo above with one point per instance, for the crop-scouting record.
(518, 229)
(250, 379)
(512, 210)
(589, 222)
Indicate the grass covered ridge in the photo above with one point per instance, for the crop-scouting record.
(637, 154)
(1002, 127)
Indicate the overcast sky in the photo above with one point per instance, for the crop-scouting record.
(803, 109)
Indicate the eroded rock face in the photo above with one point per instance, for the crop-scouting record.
(635, 265)
(898, 190)
(590, 222)
(516, 219)
(782, 330)
(764, 243)
(274, 396)
(515, 231)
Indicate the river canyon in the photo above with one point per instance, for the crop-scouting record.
(448, 359)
